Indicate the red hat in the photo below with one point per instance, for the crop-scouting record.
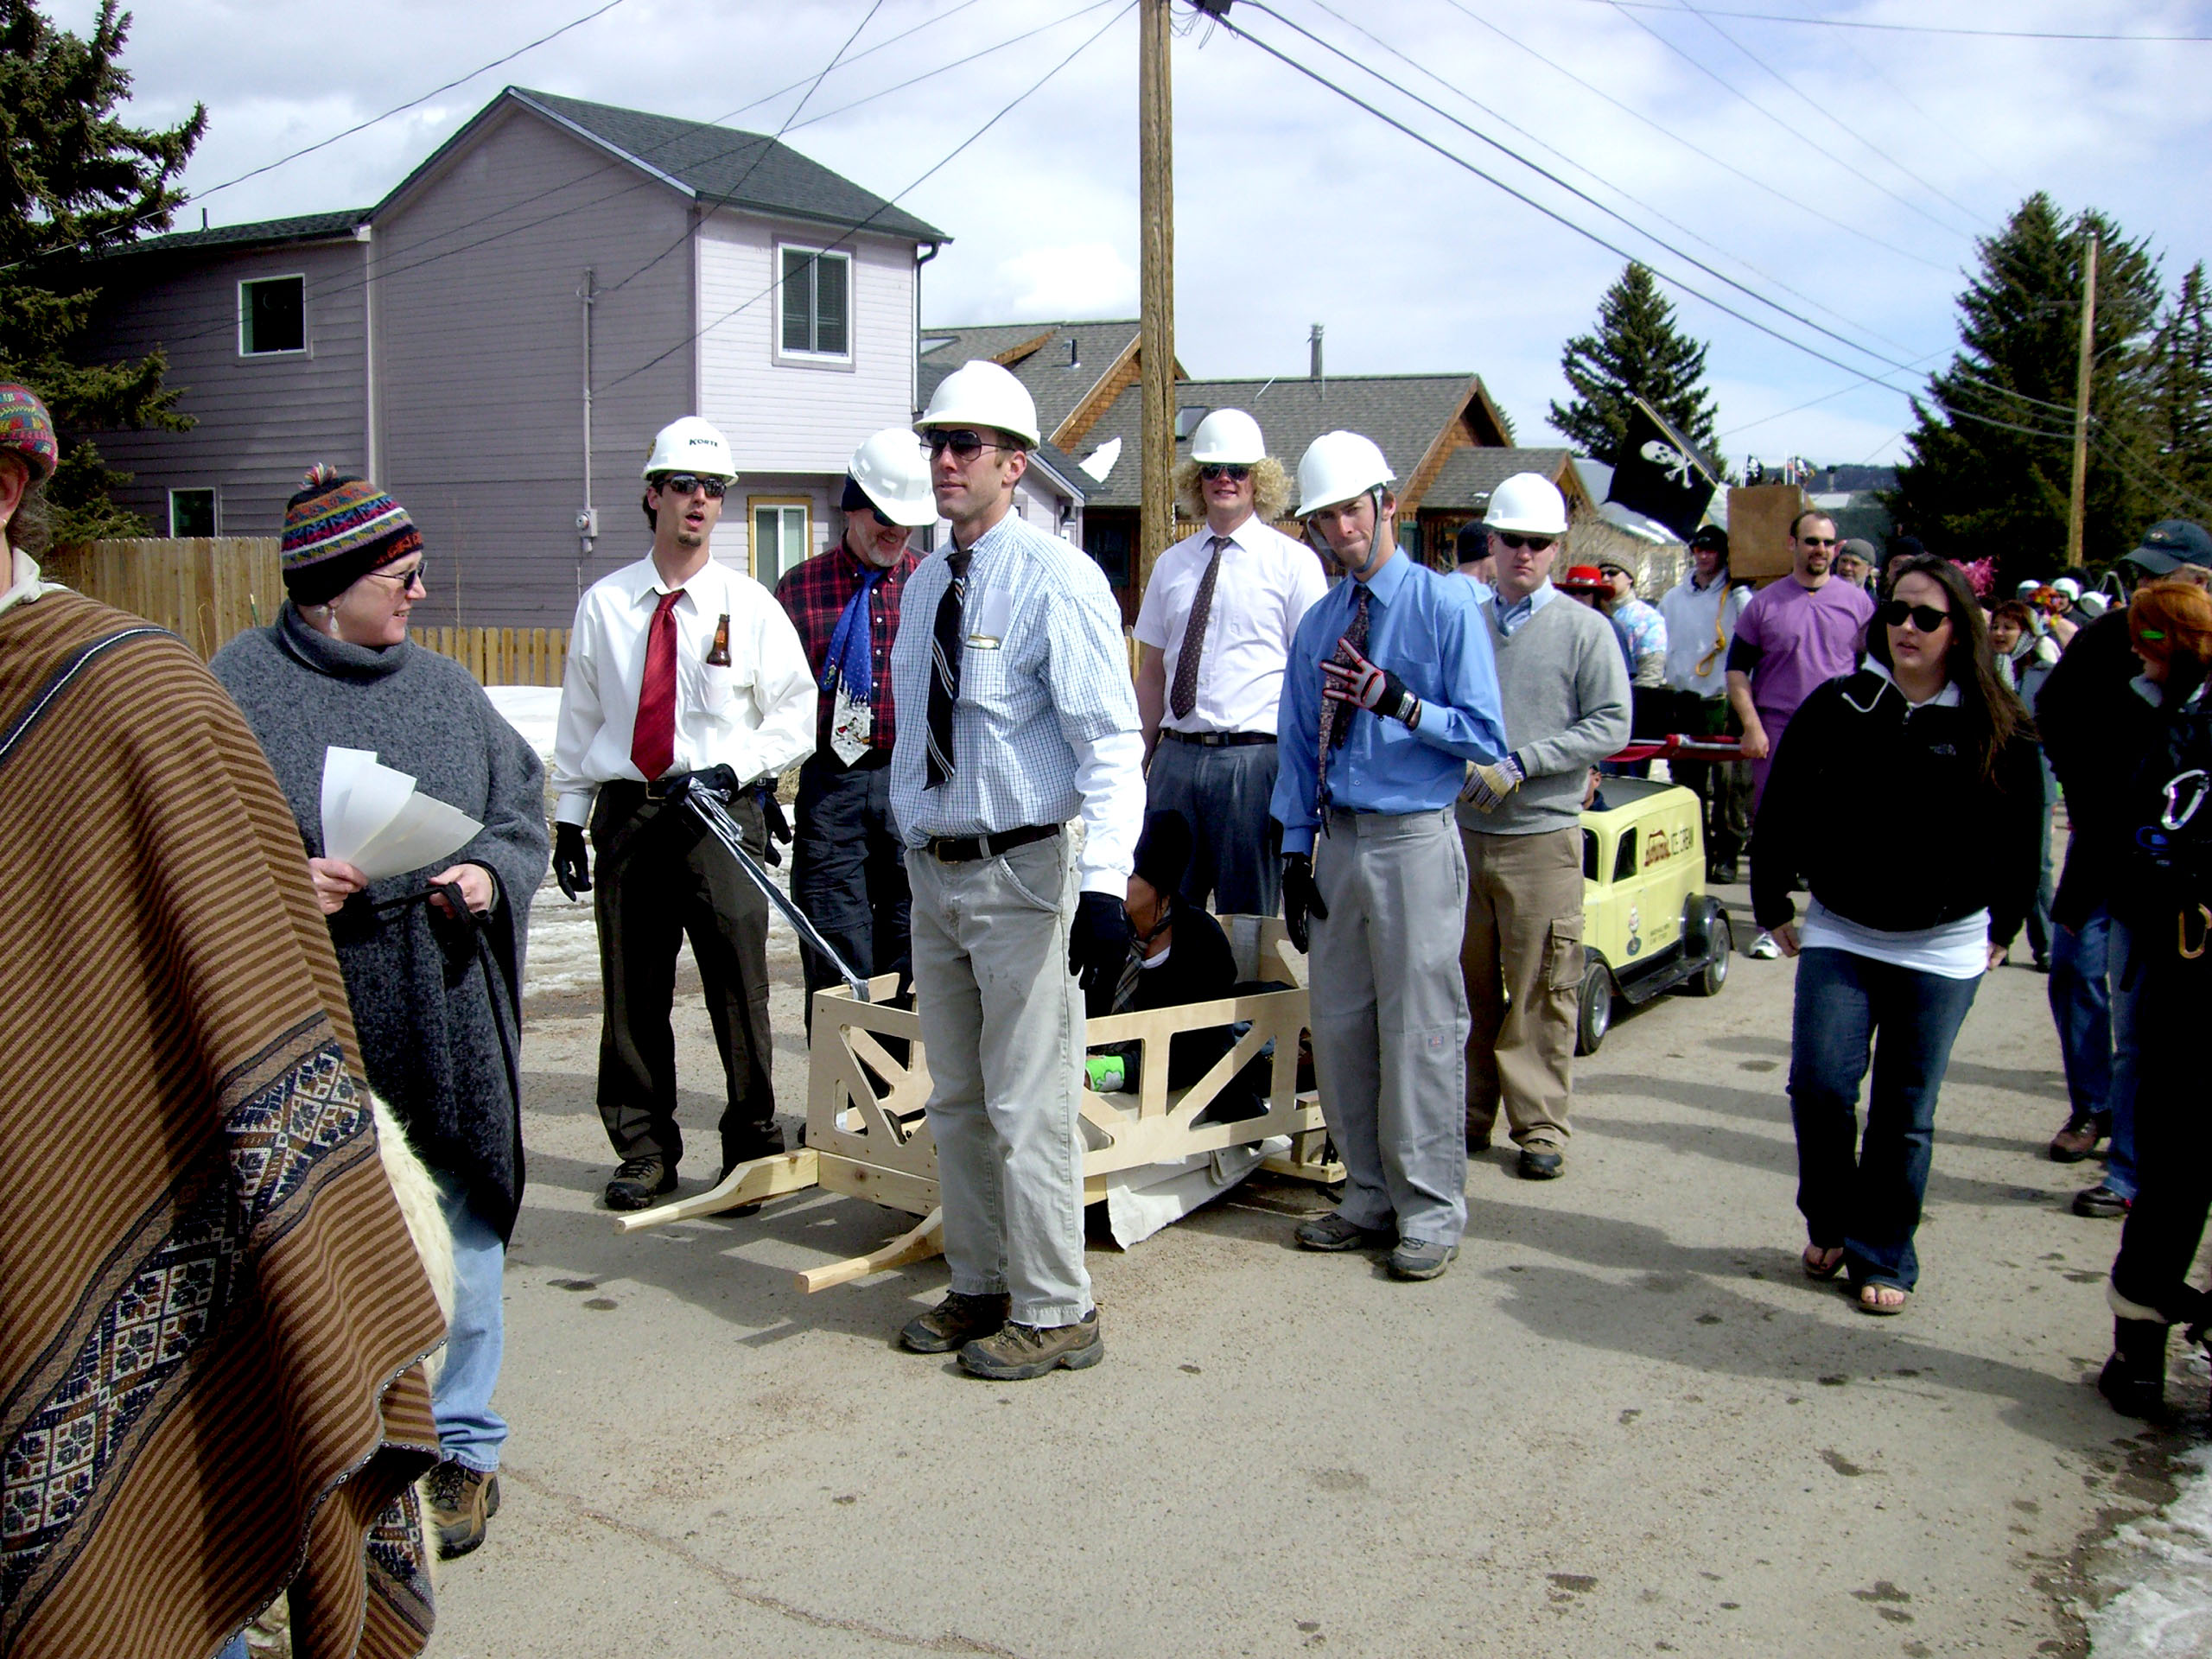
(1584, 579)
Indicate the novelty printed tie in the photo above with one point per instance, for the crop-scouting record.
(1184, 696)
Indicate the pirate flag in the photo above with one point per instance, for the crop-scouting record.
(1659, 473)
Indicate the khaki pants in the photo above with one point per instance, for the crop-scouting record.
(1521, 959)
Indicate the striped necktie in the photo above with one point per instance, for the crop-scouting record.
(1183, 696)
(945, 646)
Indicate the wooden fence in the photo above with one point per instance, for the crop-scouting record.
(207, 589)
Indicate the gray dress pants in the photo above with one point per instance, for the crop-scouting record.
(1390, 1018)
(1236, 845)
(1003, 1031)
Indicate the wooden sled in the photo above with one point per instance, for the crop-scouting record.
(868, 1128)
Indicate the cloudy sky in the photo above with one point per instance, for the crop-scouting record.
(1840, 172)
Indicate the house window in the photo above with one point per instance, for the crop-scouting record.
(272, 316)
(192, 512)
(1108, 544)
(817, 303)
(782, 538)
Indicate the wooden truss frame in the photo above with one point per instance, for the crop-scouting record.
(868, 1131)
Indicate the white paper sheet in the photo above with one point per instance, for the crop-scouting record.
(373, 819)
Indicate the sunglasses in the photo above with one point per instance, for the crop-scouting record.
(687, 483)
(965, 446)
(407, 579)
(1533, 543)
(1234, 469)
(1817, 540)
(1926, 618)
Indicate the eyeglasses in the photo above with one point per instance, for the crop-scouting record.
(965, 445)
(419, 576)
(690, 483)
(1533, 543)
(1233, 469)
(1926, 618)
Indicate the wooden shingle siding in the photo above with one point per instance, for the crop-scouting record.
(262, 421)
(480, 365)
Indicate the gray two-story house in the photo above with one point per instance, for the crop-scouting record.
(497, 339)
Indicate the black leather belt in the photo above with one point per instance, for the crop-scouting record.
(1218, 739)
(966, 849)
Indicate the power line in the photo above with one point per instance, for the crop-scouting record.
(1825, 397)
(1752, 104)
(1916, 28)
(1783, 197)
(363, 126)
(858, 225)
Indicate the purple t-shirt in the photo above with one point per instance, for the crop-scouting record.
(1804, 636)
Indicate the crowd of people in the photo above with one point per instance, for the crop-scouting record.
(994, 811)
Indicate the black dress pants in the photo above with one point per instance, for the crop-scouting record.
(662, 879)
(849, 871)
(2173, 1129)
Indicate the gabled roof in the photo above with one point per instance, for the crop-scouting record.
(1467, 477)
(1066, 384)
(1406, 413)
(263, 233)
(719, 165)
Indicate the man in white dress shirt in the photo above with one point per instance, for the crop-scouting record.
(1212, 634)
(677, 664)
(1016, 716)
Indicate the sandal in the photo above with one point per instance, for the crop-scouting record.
(1869, 1296)
(1822, 1262)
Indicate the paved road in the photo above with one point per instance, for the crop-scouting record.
(1623, 1423)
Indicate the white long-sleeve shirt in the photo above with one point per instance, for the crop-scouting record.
(756, 715)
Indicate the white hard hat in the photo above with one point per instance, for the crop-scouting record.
(1528, 503)
(980, 393)
(2069, 587)
(1228, 436)
(1338, 465)
(893, 470)
(691, 445)
(2028, 585)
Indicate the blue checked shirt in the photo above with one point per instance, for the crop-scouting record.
(1429, 631)
(1045, 726)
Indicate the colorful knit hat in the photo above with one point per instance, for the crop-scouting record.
(337, 529)
(27, 428)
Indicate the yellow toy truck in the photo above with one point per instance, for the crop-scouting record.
(1648, 924)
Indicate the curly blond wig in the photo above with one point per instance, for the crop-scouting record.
(1270, 490)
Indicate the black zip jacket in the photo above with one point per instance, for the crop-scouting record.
(1882, 810)
(2095, 728)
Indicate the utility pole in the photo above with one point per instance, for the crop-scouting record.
(2078, 505)
(1156, 231)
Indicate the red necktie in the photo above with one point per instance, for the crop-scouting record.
(652, 740)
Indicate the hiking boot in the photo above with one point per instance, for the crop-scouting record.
(1333, 1232)
(954, 1322)
(637, 1182)
(1417, 1258)
(1018, 1352)
(1542, 1163)
(2079, 1138)
(461, 1500)
(1722, 876)
(2100, 1203)
(2134, 1378)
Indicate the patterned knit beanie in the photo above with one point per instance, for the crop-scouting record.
(27, 428)
(337, 529)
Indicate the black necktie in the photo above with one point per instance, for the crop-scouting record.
(1336, 717)
(1184, 696)
(944, 668)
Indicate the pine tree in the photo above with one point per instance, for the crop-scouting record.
(2180, 425)
(76, 182)
(1990, 471)
(1638, 349)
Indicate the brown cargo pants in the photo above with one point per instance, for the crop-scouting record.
(1521, 958)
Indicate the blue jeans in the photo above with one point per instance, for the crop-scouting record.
(848, 872)
(1866, 1196)
(235, 1649)
(468, 1428)
(2094, 990)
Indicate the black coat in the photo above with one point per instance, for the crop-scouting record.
(1884, 812)
(2096, 728)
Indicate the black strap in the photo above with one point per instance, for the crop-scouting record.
(74, 664)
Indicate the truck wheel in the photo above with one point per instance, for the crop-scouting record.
(1720, 946)
(1594, 1017)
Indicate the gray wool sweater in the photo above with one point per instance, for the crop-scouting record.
(435, 1030)
(1566, 695)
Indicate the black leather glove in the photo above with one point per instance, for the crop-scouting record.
(1300, 898)
(719, 780)
(1098, 943)
(776, 827)
(1375, 689)
(571, 859)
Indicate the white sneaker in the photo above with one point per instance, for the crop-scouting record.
(1764, 948)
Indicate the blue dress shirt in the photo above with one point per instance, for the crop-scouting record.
(1429, 631)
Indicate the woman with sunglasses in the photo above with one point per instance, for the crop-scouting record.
(2165, 898)
(435, 994)
(1921, 747)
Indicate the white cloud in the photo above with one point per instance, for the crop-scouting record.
(1084, 279)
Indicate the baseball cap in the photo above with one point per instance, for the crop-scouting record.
(2170, 543)
(1710, 536)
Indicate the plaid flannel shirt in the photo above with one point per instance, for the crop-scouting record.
(814, 595)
